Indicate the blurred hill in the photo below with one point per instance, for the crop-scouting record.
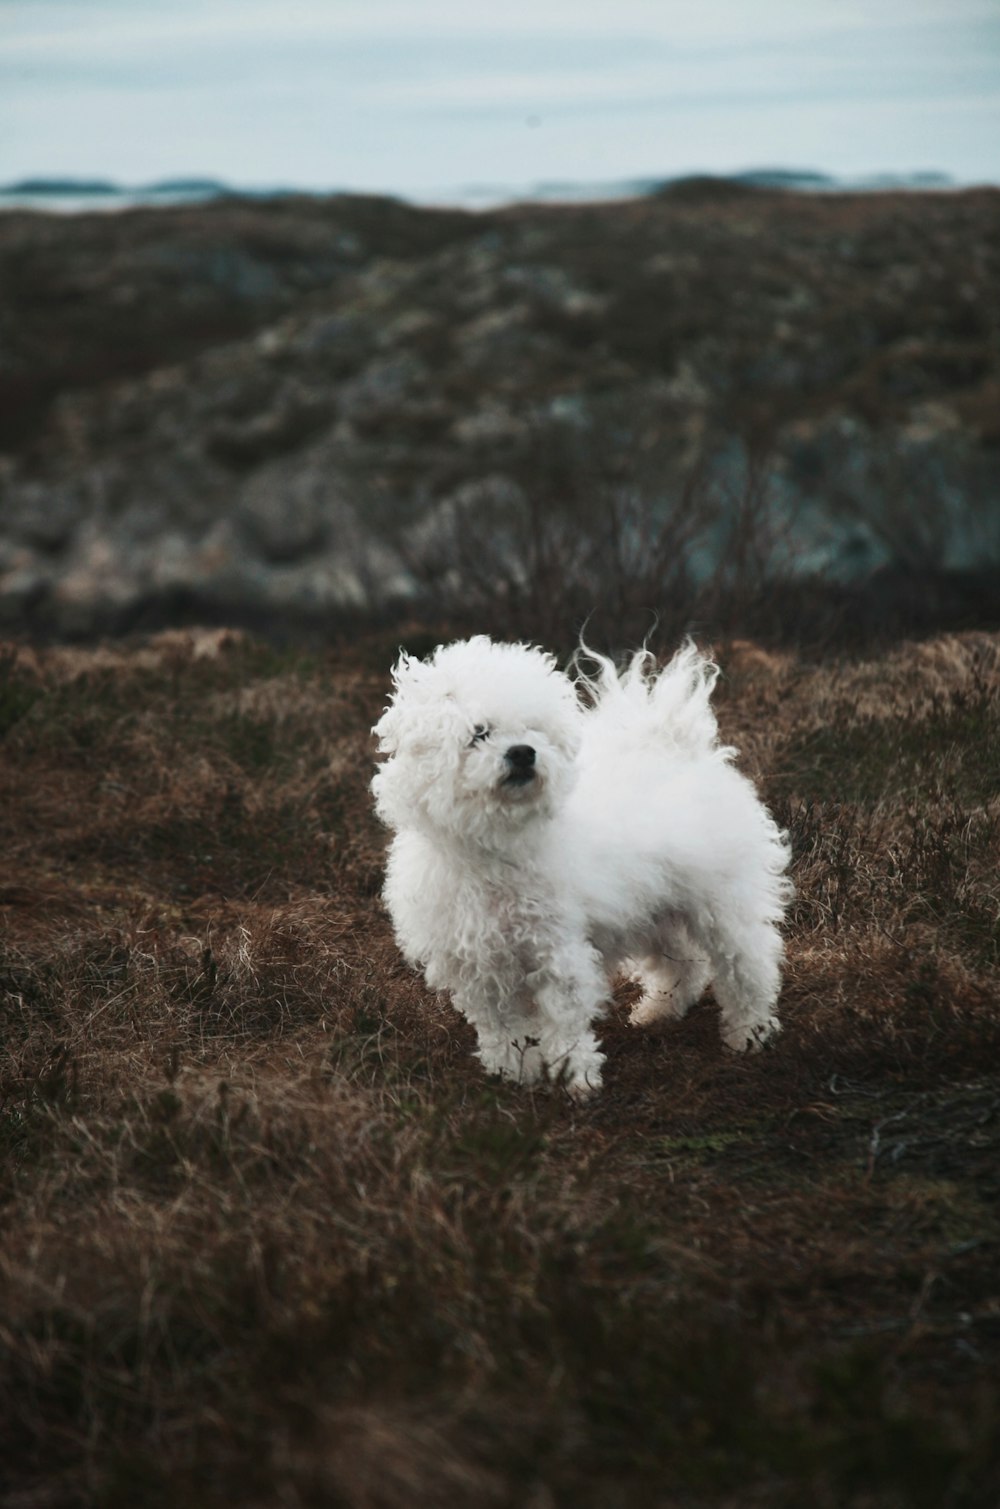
(281, 410)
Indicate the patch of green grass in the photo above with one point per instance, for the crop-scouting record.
(709, 1142)
(256, 745)
(75, 718)
(955, 747)
(872, 1444)
(17, 693)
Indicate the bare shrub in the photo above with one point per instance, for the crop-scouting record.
(609, 521)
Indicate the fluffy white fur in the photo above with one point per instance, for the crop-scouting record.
(545, 840)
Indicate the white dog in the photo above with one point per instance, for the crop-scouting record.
(543, 843)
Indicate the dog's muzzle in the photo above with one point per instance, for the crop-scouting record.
(520, 761)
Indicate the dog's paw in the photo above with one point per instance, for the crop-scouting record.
(579, 1075)
(656, 1010)
(584, 1087)
(518, 1061)
(748, 1037)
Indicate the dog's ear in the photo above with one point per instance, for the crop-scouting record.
(404, 671)
(415, 679)
(385, 731)
(405, 675)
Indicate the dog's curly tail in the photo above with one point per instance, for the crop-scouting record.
(668, 706)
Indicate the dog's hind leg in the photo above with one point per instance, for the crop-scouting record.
(746, 980)
(672, 979)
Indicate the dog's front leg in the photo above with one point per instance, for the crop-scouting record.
(506, 1023)
(570, 991)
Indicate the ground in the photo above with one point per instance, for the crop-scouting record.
(269, 1234)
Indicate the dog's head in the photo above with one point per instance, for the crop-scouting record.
(481, 740)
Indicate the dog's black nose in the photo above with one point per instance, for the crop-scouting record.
(520, 756)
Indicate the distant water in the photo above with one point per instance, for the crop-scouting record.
(68, 196)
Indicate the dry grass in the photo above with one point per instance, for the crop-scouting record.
(271, 1238)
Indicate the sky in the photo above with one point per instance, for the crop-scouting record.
(429, 97)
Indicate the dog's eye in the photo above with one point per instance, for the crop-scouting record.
(479, 733)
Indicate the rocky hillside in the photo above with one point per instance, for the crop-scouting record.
(289, 408)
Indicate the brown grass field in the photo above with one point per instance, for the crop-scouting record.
(271, 1238)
